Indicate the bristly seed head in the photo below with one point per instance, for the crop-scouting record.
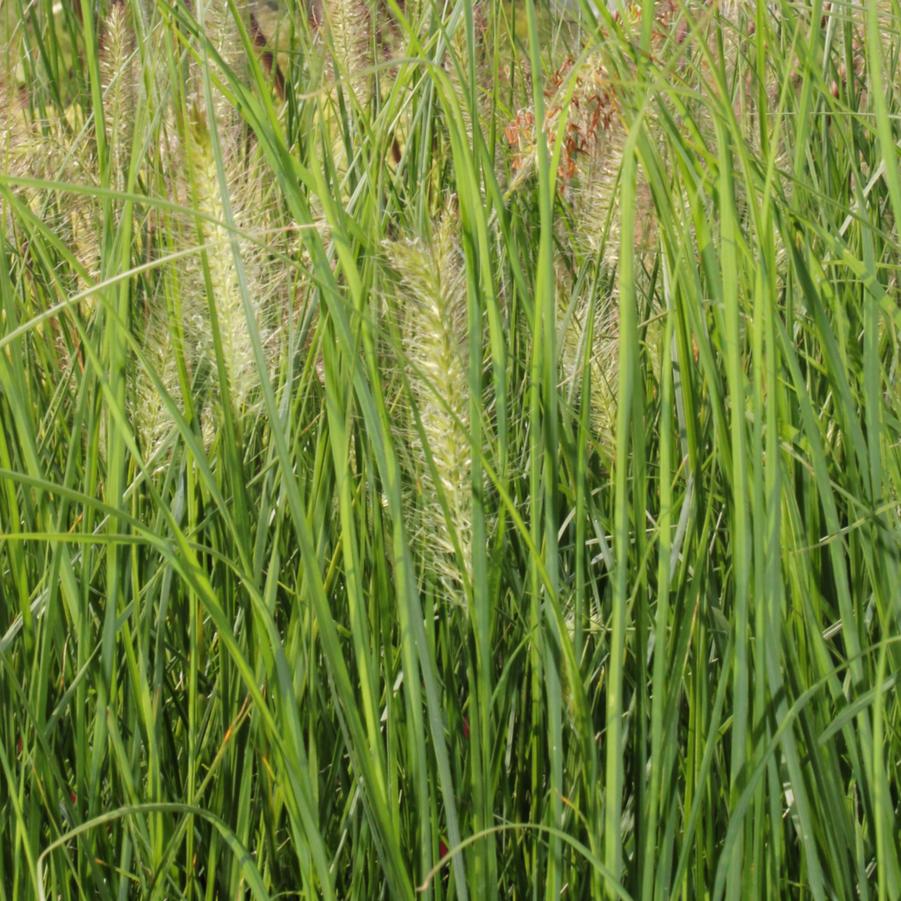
(243, 176)
(435, 328)
(119, 81)
(348, 36)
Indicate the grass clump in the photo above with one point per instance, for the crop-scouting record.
(449, 450)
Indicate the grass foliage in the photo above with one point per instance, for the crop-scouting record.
(450, 450)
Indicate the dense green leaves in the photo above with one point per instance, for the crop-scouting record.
(449, 450)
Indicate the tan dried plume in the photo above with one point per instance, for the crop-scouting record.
(17, 138)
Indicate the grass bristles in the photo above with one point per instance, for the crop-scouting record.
(433, 310)
(218, 306)
(450, 450)
(347, 36)
(588, 347)
(153, 419)
(119, 89)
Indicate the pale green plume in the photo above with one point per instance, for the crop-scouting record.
(222, 32)
(348, 36)
(160, 348)
(435, 330)
(589, 336)
(224, 286)
(117, 66)
(266, 277)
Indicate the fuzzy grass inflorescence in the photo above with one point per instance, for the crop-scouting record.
(435, 328)
(450, 450)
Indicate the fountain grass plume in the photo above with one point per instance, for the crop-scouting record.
(161, 347)
(434, 322)
(589, 328)
(348, 40)
(117, 68)
(216, 296)
(55, 148)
